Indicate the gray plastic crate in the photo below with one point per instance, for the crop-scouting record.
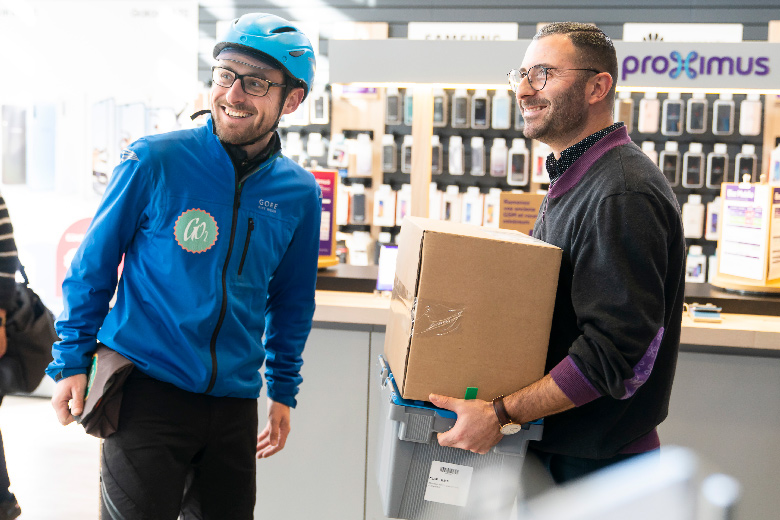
(421, 480)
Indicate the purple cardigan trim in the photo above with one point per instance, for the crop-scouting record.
(573, 383)
(577, 171)
(643, 369)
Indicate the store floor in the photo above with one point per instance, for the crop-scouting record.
(53, 469)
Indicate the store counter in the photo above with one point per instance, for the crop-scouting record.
(725, 405)
(757, 334)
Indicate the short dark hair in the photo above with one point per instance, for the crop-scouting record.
(595, 48)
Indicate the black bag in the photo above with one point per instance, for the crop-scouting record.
(103, 399)
(30, 331)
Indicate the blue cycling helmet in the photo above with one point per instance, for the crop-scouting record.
(270, 36)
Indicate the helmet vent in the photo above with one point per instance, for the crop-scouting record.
(296, 54)
(279, 30)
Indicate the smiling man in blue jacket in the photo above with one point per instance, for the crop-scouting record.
(220, 237)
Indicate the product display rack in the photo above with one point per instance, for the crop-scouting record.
(396, 178)
(708, 140)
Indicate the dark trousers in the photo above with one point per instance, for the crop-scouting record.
(565, 468)
(171, 441)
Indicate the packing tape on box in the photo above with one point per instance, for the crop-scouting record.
(427, 317)
(437, 318)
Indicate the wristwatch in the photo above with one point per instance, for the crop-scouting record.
(506, 426)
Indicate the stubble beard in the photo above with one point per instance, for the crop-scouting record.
(565, 117)
(240, 137)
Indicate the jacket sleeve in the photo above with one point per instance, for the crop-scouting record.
(290, 306)
(91, 280)
(619, 268)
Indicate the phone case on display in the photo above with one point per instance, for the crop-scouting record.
(456, 155)
(712, 222)
(745, 164)
(477, 156)
(693, 217)
(624, 110)
(393, 107)
(437, 155)
(669, 162)
(649, 113)
(460, 109)
(320, 107)
(750, 111)
(717, 166)
(406, 154)
(518, 164)
(358, 207)
(498, 157)
(389, 154)
(697, 115)
(480, 110)
(315, 147)
(649, 148)
(539, 153)
(723, 115)
(439, 108)
(408, 107)
(672, 118)
(693, 167)
(500, 118)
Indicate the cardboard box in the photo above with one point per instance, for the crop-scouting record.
(471, 307)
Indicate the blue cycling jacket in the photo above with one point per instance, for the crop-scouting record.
(219, 273)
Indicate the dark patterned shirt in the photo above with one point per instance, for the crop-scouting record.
(557, 167)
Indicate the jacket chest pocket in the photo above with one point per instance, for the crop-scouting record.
(259, 246)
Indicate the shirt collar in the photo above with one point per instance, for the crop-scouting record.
(557, 167)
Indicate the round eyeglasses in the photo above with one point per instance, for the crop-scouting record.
(537, 76)
(252, 85)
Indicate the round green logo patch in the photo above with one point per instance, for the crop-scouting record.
(196, 231)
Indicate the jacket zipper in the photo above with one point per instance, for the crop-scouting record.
(223, 308)
(250, 228)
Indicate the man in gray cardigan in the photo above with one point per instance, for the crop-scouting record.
(618, 311)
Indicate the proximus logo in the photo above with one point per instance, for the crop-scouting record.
(693, 65)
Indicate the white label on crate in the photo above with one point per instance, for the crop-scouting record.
(448, 483)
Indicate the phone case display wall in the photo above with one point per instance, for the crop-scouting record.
(699, 141)
(306, 135)
(477, 145)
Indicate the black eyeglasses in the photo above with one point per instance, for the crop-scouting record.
(537, 76)
(252, 85)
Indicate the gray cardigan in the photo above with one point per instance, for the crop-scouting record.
(616, 325)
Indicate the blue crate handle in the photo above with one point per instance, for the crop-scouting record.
(387, 378)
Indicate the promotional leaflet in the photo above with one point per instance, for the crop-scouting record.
(774, 241)
(328, 182)
(744, 230)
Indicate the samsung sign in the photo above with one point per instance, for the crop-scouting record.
(688, 65)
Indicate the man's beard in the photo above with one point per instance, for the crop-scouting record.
(241, 138)
(565, 116)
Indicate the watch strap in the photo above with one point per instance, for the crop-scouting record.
(500, 409)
